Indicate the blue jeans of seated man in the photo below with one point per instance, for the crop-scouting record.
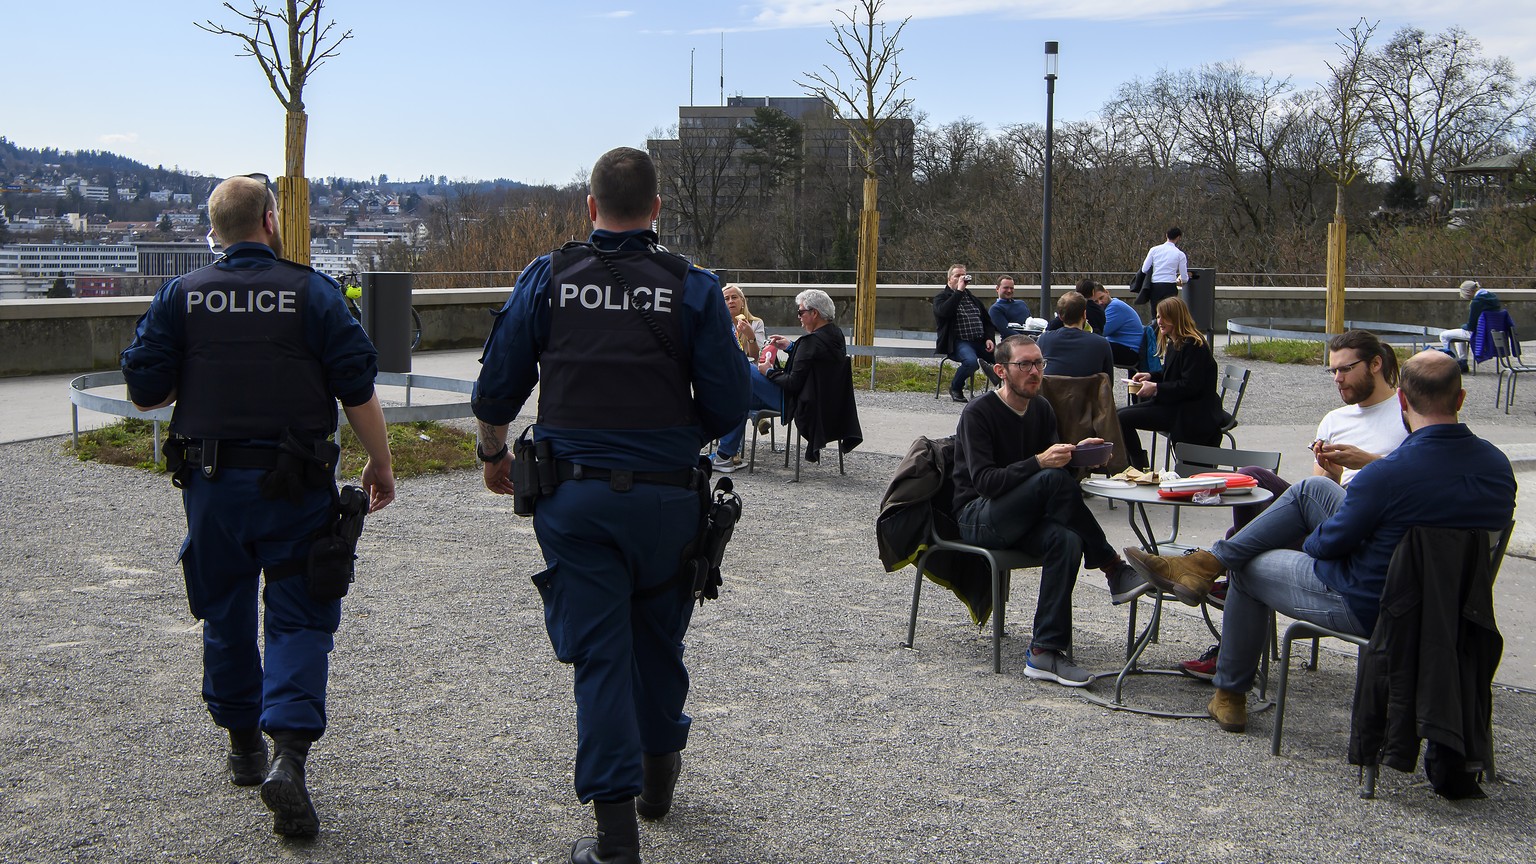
(969, 354)
(766, 396)
(1044, 516)
(1267, 575)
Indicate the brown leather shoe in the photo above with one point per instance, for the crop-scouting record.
(1188, 577)
(1229, 710)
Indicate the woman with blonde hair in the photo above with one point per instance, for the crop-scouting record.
(750, 334)
(753, 338)
(1181, 400)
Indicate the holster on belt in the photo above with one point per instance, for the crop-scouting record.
(303, 463)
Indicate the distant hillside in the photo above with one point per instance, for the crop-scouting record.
(102, 166)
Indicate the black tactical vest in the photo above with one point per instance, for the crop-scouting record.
(248, 372)
(603, 367)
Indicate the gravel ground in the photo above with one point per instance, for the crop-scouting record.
(817, 737)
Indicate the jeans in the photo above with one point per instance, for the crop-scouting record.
(1044, 516)
(969, 355)
(766, 396)
(1266, 575)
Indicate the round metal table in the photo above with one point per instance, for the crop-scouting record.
(1137, 497)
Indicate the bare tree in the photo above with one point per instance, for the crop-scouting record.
(704, 185)
(1435, 101)
(1344, 112)
(866, 103)
(306, 45)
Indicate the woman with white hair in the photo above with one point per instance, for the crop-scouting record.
(817, 392)
(1483, 300)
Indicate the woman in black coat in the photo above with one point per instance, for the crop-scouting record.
(818, 392)
(1181, 400)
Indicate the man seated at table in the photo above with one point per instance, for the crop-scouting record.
(1122, 327)
(1012, 492)
(1086, 287)
(1007, 311)
(1368, 426)
(1441, 476)
(1072, 350)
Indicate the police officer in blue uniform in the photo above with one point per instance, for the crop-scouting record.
(637, 368)
(255, 351)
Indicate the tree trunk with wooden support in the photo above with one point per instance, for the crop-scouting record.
(1337, 233)
(868, 270)
(287, 65)
(293, 191)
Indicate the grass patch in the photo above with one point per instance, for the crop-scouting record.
(904, 377)
(129, 441)
(422, 447)
(1298, 351)
(418, 448)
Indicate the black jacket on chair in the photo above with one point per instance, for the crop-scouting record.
(818, 390)
(1428, 669)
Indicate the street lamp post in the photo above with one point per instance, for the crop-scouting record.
(1045, 241)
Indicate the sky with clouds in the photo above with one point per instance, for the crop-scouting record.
(536, 91)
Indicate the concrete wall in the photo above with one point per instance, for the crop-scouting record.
(78, 335)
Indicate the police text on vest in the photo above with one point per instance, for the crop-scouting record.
(604, 297)
(243, 301)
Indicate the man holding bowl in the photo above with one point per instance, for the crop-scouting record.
(1012, 491)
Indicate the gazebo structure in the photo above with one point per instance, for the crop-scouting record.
(1484, 184)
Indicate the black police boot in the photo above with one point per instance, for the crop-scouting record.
(618, 836)
(283, 791)
(656, 789)
(247, 760)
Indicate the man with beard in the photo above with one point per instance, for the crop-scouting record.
(1012, 491)
(1367, 427)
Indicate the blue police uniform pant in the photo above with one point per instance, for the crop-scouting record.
(1043, 516)
(232, 534)
(601, 548)
(766, 396)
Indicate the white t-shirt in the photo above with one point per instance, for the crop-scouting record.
(1377, 429)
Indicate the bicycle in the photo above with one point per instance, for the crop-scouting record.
(353, 291)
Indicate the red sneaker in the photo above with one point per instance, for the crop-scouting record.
(1218, 595)
(1204, 668)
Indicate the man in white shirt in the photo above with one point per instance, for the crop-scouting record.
(1368, 426)
(1169, 268)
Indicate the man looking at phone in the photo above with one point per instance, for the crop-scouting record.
(965, 331)
(1012, 492)
(1368, 426)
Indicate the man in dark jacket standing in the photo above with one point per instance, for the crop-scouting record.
(965, 331)
(1350, 535)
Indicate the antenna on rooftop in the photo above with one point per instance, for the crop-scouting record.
(722, 68)
(690, 74)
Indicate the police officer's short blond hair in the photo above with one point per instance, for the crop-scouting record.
(237, 207)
